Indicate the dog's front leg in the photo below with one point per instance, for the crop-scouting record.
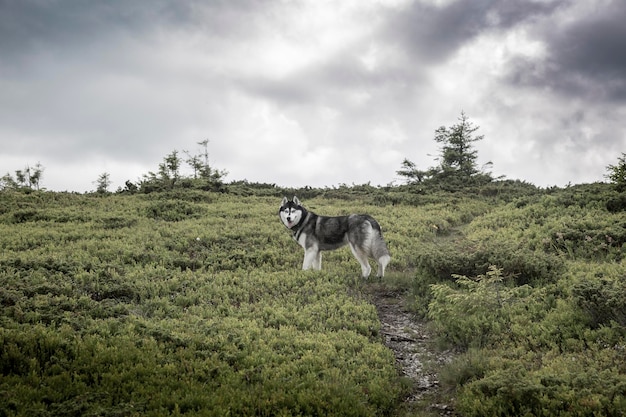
(318, 261)
(310, 258)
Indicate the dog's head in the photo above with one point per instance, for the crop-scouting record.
(290, 212)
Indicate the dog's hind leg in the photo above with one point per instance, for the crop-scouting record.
(382, 264)
(381, 254)
(362, 258)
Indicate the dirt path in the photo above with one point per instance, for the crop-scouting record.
(416, 357)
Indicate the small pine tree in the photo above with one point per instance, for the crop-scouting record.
(7, 182)
(35, 175)
(29, 177)
(410, 172)
(617, 173)
(458, 156)
(103, 183)
(169, 170)
(130, 187)
(457, 161)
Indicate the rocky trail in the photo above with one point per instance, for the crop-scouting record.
(416, 356)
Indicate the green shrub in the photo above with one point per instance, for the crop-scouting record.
(28, 215)
(468, 366)
(502, 392)
(476, 314)
(464, 257)
(118, 222)
(174, 210)
(617, 204)
(603, 298)
(580, 384)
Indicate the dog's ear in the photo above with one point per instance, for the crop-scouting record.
(285, 201)
(296, 201)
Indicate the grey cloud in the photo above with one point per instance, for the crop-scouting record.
(586, 58)
(433, 33)
(28, 24)
(131, 80)
(329, 83)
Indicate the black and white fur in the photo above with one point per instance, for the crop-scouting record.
(318, 233)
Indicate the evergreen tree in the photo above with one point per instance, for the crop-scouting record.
(458, 156)
(7, 182)
(413, 175)
(169, 176)
(410, 172)
(617, 173)
(169, 170)
(103, 183)
(29, 177)
(457, 161)
(34, 175)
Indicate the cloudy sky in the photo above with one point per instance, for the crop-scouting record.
(310, 92)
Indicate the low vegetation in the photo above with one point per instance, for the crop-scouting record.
(190, 302)
(539, 309)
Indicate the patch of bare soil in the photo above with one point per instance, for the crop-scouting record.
(417, 357)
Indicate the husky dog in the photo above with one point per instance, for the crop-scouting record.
(317, 233)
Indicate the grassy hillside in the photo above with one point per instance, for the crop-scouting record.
(193, 303)
(540, 308)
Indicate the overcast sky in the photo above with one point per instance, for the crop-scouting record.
(310, 92)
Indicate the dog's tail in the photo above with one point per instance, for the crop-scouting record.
(380, 252)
